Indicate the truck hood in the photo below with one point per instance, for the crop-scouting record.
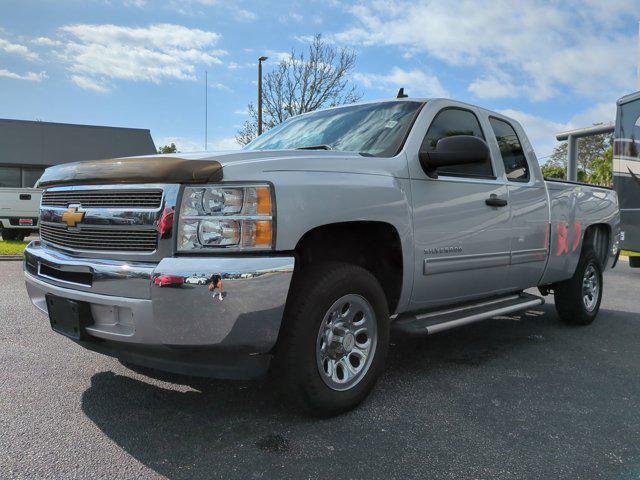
(206, 167)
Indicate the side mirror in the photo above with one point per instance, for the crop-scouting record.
(456, 150)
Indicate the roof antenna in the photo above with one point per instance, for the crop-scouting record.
(401, 93)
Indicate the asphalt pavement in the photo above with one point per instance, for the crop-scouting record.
(517, 397)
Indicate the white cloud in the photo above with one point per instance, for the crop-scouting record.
(200, 8)
(46, 41)
(18, 49)
(278, 56)
(158, 52)
(29, 76)
(135, 3)
(545, 46)
(220, 86)
(308, 38)
(238, 66)
(542, 132)
(185, 144)
(227, 143)
(416, 82)
(241, 111)
(604, 112)
(244, 15)
(496, 85)
(89, 84)
(292, 17)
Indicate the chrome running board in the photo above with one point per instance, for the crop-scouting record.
(439, 320)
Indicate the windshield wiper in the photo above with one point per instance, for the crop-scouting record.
(315, 147)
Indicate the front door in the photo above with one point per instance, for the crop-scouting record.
(461, 242)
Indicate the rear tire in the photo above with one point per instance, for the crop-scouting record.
(13, 235)
(334, 339)
(578, 298)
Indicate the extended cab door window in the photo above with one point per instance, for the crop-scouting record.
(451, 122)
(515, 162)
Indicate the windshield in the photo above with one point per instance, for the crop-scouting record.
(376, 129)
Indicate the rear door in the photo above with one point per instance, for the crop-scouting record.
(461, 243)
(528, 201)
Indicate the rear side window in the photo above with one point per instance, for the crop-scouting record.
(30, 176)
(449, 123)
(515, 163)
(10, 177)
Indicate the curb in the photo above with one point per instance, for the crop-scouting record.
(7, 258)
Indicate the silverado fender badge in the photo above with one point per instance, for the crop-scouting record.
(72, 217)
(438, 250)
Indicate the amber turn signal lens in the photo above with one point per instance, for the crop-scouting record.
(264, 201)
(264, 234)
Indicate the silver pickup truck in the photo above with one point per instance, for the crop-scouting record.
(299, 253)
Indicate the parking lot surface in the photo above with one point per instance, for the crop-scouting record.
(514, 397)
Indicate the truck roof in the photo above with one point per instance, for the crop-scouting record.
(425, 100)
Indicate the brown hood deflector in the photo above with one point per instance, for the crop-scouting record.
(132, 170)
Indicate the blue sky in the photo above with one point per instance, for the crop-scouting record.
(140, 63)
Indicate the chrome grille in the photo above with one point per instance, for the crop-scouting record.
(100, 239)
(134, 199)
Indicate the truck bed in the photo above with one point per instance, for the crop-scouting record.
(572, 206)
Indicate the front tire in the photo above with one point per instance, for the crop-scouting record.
(578, 298)
(334, 339)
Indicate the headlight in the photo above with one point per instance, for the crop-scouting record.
(230, 217)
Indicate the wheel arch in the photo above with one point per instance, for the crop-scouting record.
(597, 237)
(373, 245)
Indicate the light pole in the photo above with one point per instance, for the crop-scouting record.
(206, 108)
(260, 60)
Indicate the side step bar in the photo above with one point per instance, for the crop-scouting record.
(439, 320)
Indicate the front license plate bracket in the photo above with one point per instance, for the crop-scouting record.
(69, 317)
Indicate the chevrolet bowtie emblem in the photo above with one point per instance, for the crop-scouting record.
(72, 217)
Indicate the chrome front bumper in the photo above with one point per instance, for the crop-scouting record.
(163, 312)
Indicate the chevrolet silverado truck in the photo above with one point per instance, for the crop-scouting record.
(18, 212)
(313, 242)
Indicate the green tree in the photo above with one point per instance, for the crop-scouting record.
(303, 82)
(589, 149)
(553, 171)
(168, 149)
(602, 170)
(595, 160)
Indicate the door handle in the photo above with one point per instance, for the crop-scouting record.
(494, 201)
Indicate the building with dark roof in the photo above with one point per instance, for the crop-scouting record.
(27, 148)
